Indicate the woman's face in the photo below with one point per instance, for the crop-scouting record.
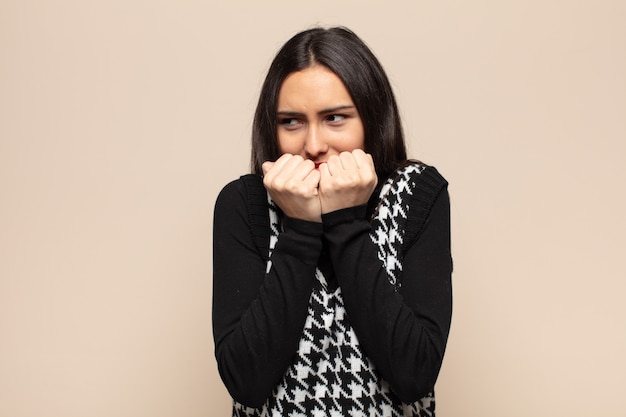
(316, 116)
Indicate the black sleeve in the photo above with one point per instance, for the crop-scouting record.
(404, 333)
(257, 317)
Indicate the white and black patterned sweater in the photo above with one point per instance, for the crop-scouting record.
(345, 318)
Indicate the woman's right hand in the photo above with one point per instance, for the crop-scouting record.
(293, 182)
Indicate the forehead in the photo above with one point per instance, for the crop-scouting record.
(313, 87)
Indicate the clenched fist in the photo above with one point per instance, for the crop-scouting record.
(347, 180)
(303, 192)
(292, 182)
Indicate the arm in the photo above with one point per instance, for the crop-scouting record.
(258, 318)
(403, 333)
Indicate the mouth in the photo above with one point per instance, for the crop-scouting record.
(317, 164)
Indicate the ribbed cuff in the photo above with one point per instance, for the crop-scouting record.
(345, 215)
(303, 226)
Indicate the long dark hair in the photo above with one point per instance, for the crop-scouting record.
(340, 50)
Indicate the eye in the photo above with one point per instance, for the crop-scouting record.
(335, 118)
(289, 122)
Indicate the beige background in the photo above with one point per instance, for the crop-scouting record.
(121, 120)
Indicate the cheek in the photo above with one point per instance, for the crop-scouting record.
(358, 138)
(347, 141)
(358, 135)
(349, 145)
(360, 142)
(288, 145)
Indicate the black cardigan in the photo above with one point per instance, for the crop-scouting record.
(258, 318)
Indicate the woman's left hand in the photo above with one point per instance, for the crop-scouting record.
(347, 180)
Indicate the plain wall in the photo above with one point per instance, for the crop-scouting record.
(120, 121)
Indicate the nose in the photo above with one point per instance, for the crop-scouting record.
(315, 143)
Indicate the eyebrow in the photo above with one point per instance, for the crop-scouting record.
(324, 111)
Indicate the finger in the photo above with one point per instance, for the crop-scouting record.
(276, 167)
(348, 162)
(333, 165)
(300, 172)
(366, 168)
(324, 171)
(313, 180)
(302, 169)
(282, 161)
(362, 159)
(292, 168)
(267, 165)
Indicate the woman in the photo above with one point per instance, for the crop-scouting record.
(331, 261)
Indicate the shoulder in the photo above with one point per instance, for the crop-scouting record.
(420, 186)
(415, 178)
(245, 189)
(242, 207)
(426, 175)
(243, 198)
(432, 179)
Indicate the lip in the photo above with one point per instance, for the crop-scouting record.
(317, 164)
